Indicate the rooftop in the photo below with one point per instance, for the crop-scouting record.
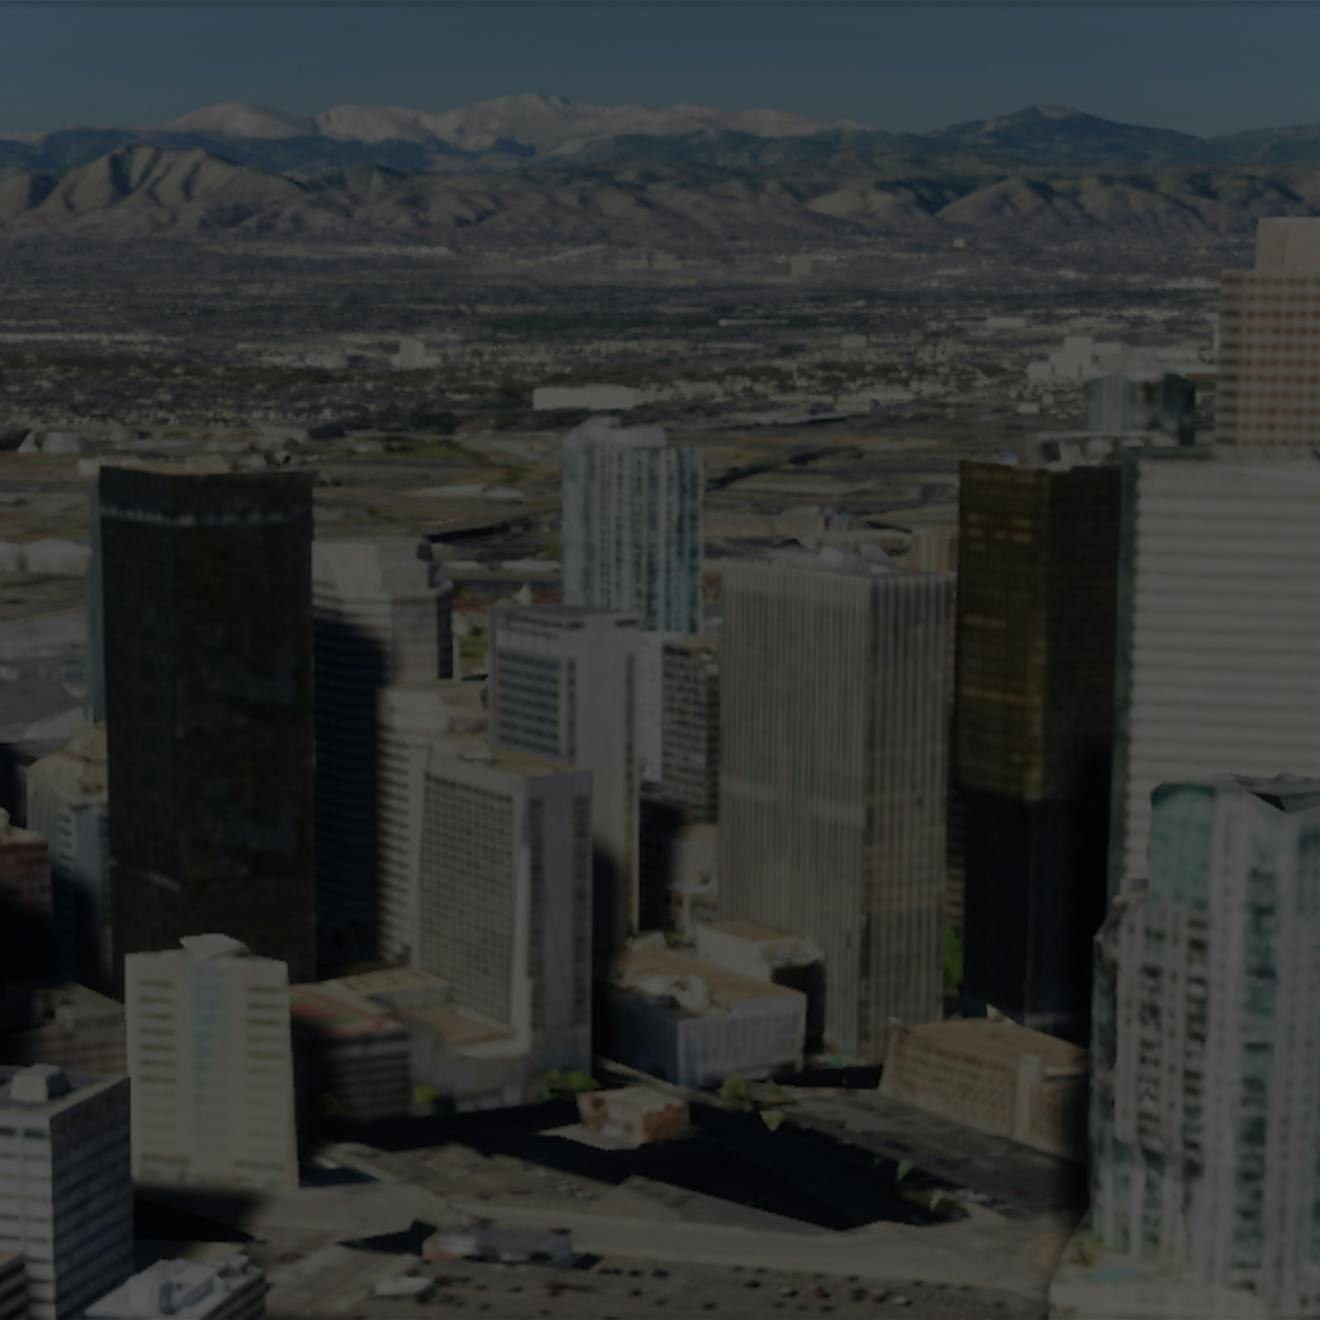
(605, 430)
(637, 966)
(1000, 1044)
(41, 1090)
(339, 1011)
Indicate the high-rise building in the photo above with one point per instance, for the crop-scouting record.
(1142, 397)
(1219, 618)
(27, 934)
(207, 582)
(1206, 1053)
(834, 756)
(633, 538)
(211, 1057)
(690, 705)
(13, 1287)
(563, 685)
(68, 804)
(506, 896)
(381, 616)
(412, 717)
(1033, 731)
(66, 1185)
(94, 614)
(1268, 368)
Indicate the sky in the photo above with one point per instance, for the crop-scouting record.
(1201, 68)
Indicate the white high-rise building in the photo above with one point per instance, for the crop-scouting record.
(411, 717)
(834, 751)
(68, 803)
(1267, 389)
(1219, 627)
(211, 1057)
(1206, 1049)
(506, 896)
(563, 684)
(633, 528)
(66, 1189)
(381, 616)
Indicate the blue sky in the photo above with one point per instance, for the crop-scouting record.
(1202, 68)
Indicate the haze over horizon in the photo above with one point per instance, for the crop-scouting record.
(1195, 68)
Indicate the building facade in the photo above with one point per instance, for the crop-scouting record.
(211, 1058)
(563, 685)
(381, 616)
(1033, 731)
(1268, 369)
(27, 926)
(633, 530)
(690, 704)
(68, 803)
(1206, 1054)
(207, 610)
(1219, 618)
(506, 896)
(834, 758)
(66, 1178)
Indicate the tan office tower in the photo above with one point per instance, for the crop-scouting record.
(211, 1060)
(506, 896)
(563, 684)
(834, 742)
(1218, 631)
(1268, 379)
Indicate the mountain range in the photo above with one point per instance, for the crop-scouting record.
(542, 168)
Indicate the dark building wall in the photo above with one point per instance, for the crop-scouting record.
(1035, 898)
(207, 601)
(1037, 617)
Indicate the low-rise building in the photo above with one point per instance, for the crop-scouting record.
(350, 1051)
(996, 1077)
(67, 1025)
(689, 1021)
(231, 1288)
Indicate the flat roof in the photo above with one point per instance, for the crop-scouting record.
(724, 985)
(65, 1088)
(1001, 1044)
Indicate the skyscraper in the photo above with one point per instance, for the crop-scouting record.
(1219, 619)
(506, 895)
(633, 538)
(68, 803)
(66, 1185)
(690, 719)
(563, 685)
(381, 616)
(207, 582)
(27, 928)
(211, 1058)
(834, 755)
(1206, 1054)
(1268, 369)
(1033, 720)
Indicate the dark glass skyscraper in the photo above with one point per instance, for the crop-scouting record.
(207, 613)
(1033, 731)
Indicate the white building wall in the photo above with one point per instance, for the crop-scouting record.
(211, 1057)
(833, 762)
(1219, 629)
(563, 684)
